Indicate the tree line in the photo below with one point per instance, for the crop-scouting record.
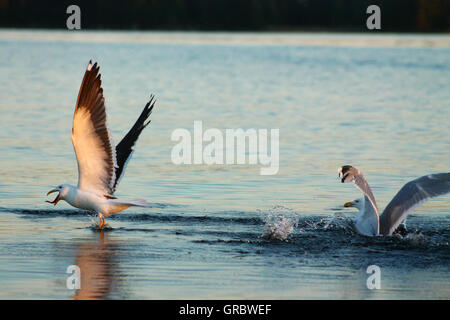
(233, 15)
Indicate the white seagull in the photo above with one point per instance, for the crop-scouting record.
(100, 165)
(368, 221)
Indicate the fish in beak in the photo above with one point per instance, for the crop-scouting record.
(57, 197)
(348, 204)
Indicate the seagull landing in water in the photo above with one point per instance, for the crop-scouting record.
(368, 222)
(100, 165)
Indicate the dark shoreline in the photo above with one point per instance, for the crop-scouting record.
(231, 15)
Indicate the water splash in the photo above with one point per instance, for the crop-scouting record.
(335, 222)
(413, 237)
(338, 221)
(94, 218)
(280, 223)
(95, 223)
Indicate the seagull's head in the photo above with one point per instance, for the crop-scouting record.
(358, 204)
(62, 190)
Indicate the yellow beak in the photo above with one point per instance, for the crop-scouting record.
(56, 199)
(348, 204)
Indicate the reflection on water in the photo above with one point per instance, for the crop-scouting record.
(380, 103)
(96, 260)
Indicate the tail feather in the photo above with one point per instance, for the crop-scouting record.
(139, 203)
(117, 205)
(130, 203)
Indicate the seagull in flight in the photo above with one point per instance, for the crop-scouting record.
(368, 221)
(100, 164)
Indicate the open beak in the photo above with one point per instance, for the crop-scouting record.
(348, 204)
(56, 199)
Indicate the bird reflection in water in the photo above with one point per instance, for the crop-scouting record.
(96, 260)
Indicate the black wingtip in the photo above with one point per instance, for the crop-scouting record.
(148, 110)
(125, 147)
(345, 168)
(343, 172)
(146, 124)
(92, 67)
(151, 102)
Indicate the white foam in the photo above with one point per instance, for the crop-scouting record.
(280, 223)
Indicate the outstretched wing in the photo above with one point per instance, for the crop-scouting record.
(124, 149)
(91, 138)
(411, 195)
(351, 174)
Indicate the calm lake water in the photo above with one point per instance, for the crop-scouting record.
(380, 103)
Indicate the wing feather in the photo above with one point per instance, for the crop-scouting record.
(91, 138)
(352, 174)
(125, 148)
(411, 195)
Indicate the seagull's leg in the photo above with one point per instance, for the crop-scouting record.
(102, 220)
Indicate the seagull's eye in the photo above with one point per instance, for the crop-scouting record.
(60, 187)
